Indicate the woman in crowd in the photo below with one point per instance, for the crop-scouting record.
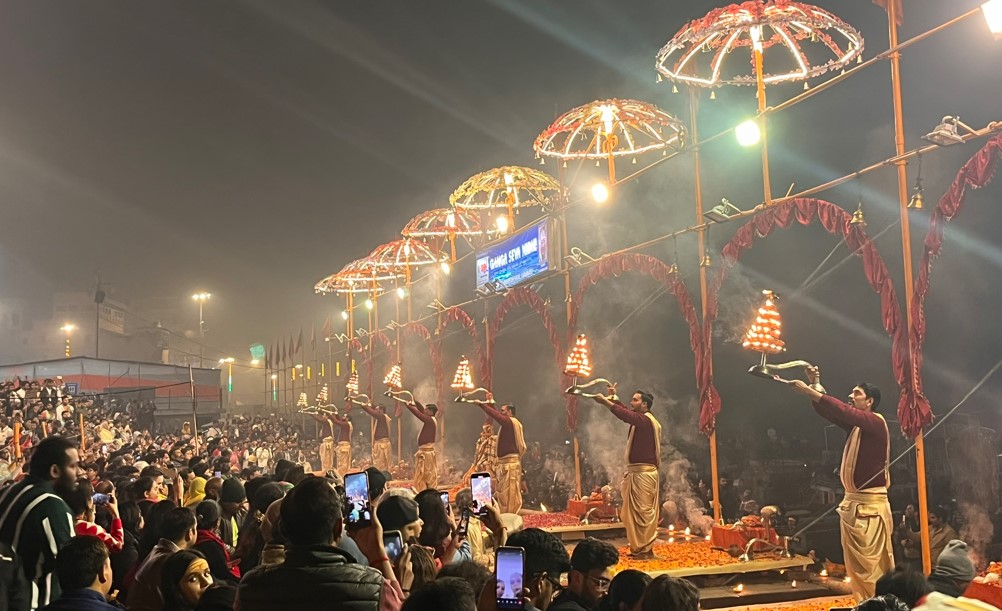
(123, 561)
(667, 593)
(81, 502)
(625, 591)
(184, 579)
(251, 540)
(208, 514)
(439, 530)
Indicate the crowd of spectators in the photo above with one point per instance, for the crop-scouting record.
(98, 512)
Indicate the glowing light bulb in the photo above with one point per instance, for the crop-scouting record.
(600, 193)
(748, 133)
(502, 224)
(344, 314)
(445, 267)
(369, 304)
(401, 292)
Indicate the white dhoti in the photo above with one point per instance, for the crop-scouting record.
(327, 454)
(381, 450)
(508, 483)
(640, 507)
(867, 527)
(343, 454)
(425, 468)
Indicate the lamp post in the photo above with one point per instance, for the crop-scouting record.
(68, 328)
(228, 361)
(201, 298)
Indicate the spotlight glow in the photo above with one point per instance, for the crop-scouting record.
(748, 133)
(600, 192)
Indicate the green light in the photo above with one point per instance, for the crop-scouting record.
(230, 384)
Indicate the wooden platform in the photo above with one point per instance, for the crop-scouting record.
(737, 568)
(576, 532)
(771, 594)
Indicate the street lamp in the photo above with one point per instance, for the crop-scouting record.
(274, 388)
(229, 382)
(67, 328)
(201, 298)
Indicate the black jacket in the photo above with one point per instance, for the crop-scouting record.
(122, 562)
(312, 577)
(569, 601)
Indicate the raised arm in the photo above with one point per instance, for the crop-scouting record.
(372, 411)
(418, 410)
(493, 412)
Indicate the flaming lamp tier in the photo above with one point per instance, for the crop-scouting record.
(352, 384)
(393, 378)
(765, 333)
(578, 364)
(463, 380)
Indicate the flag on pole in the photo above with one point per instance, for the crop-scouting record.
(899, 11)
(284, 355)
(267, 359)
(299, 342)
(313, 337)
(326, 330)
(292, 350)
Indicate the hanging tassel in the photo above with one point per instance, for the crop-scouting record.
(806, 86)
(674, 88)
(713, 95)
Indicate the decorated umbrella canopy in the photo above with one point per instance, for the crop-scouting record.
(356, 277)
(507, 187)
(446, 223)
(606, 129)
(804, 42)
(399, 256)
(697, 53)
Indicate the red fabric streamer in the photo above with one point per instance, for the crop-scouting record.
(976, 173)
(518, 297)
(835, 221)
(616, 265)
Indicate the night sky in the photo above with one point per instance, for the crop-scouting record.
(251, 148)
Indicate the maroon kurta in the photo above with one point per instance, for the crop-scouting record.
(643, 450)
(343, 430)
(506, 436)
(870, 468)
(430, 429)
(382, 426)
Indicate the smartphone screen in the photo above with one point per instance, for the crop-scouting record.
(464, 523)
(444, 495)
(394, 545)
(356, 487)
(483, 492)
(510, 566)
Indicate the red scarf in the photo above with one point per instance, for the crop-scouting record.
(208, 535)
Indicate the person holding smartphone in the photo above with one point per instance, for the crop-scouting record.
(641, 483)
(510, 448)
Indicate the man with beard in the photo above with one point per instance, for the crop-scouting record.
(35, 520)
(641, 482)
(510, 448)
(865, 521)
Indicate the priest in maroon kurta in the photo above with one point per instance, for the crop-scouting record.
(381, 446)
(865, 513)
(641, 484)
(510, 447)
(425, 461)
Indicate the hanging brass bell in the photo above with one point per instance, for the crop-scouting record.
(917, 200)
(857, 217)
